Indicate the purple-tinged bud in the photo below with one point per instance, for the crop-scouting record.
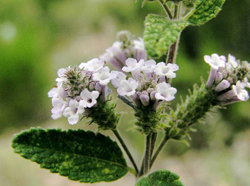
(224, 84)
(212, 76)
(135, 99)
(226, 96)
(149, 90)
(218, 78)
(157, 103)
(98, 87)
(152, 95)
(162, 79)
(144, 99)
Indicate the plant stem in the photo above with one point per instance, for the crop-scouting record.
(153, 140)
(165, 139)
(149, 147)
(172, 52)
(126, 150)
(166, 8)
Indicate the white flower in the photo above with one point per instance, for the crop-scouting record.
(127, 87)
(119, 76)
(58, 107)
(246, 82)
(61, 72)
(56, 91)
(240, 92)
(214, 61)
(149, 66)
(88, 98)
(232, 61)
(73, 111)
(165, 92)
(93, 65)
(132, 65)
(166, 70)
(103, 76)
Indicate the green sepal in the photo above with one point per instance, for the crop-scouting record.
(79, 155)
(160, 33)
(104, 115)
(205, 11)
(161, 178)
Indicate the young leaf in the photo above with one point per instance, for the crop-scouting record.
(79, 155)
(205, 11)
(160, 178)
(160, 33)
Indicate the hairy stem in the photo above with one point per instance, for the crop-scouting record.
(172, 52)
(126, 150)
(145, 166)
(166, 8)
(162, 144)
(153, 140)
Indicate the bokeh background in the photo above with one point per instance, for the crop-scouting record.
(38, 36)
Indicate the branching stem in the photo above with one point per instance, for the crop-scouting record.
(166, 8)
(162, 144)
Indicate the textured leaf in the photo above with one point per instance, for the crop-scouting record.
(79, 155)
(160, 178)
(205, 11)
(160, 33)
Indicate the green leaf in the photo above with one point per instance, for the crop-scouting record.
(160, 33)
(205, 11)
(79, 155)
(160, 178)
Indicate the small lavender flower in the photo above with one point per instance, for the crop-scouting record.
(73, 112)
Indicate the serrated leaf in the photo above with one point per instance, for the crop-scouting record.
(160, 178)
(160, 33)
(79, 155)
(205, 11)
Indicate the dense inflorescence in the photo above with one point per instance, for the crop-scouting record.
(82, 90)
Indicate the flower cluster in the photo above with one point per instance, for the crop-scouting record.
(79, 88)
(228, 78)
(126, 47)
(147, 82)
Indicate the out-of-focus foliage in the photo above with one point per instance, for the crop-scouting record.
(25, 38)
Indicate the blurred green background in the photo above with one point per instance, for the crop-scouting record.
(39, 36)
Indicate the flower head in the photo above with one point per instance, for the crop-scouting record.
(147, 82)
(79, 89)
(126, 47)
(229, 80)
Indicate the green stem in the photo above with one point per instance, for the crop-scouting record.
(176, 10)
(126, 150)
(153, 140)
(172, 51)
(166, 8)
(147, 154)
(145, 166)
(165, 139)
